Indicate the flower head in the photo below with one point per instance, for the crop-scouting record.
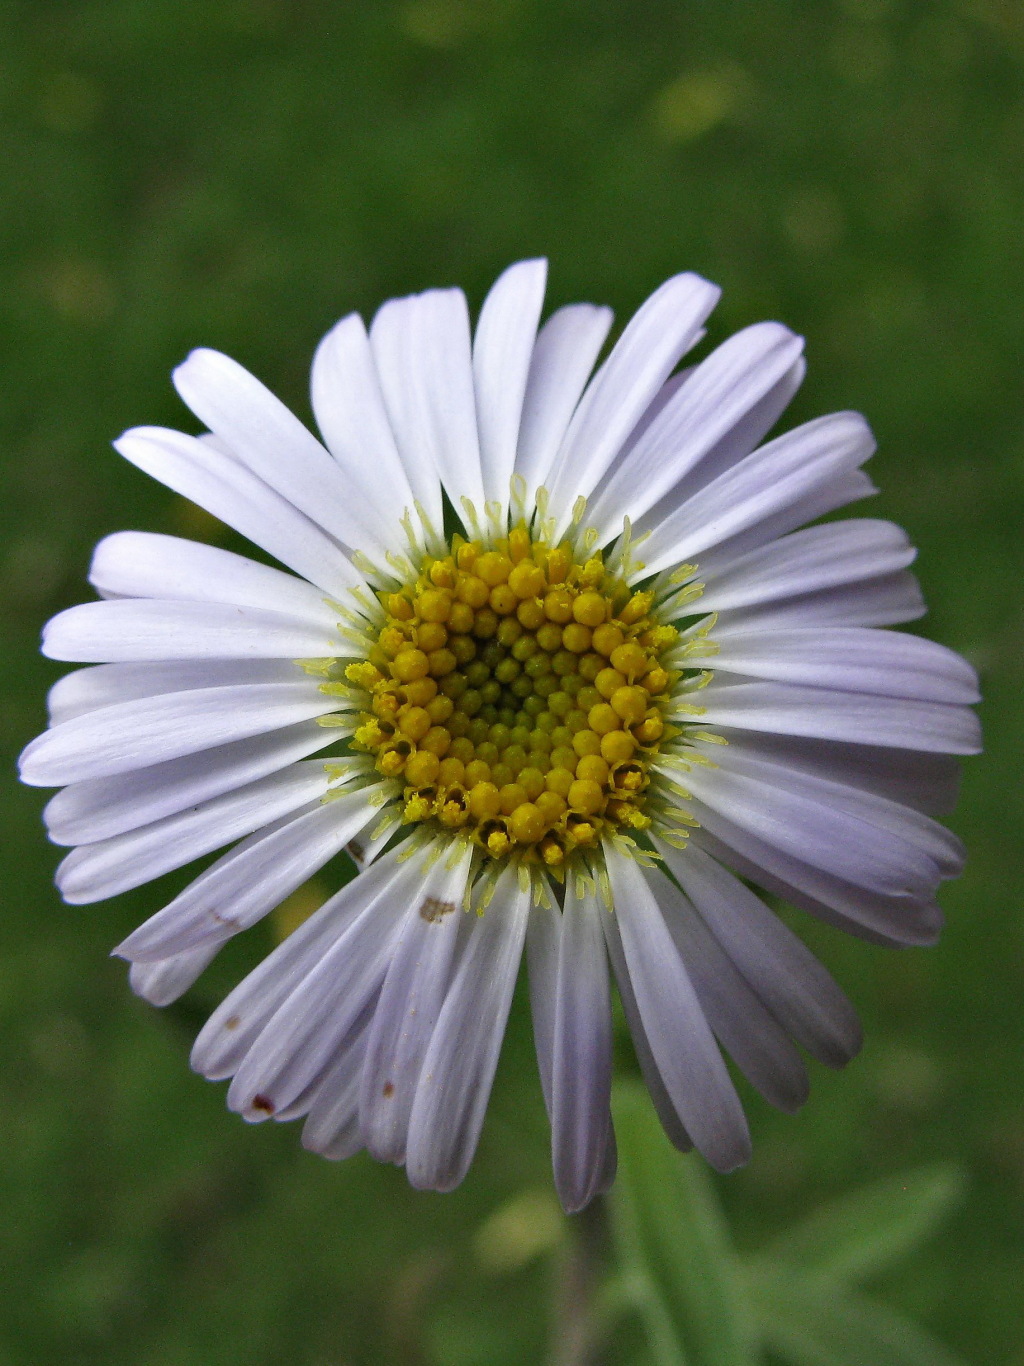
(557, 667)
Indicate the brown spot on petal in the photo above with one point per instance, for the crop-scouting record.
(232, 1022)
(389, 1089)
(357, 851)
(264, 1103)
(433, 910)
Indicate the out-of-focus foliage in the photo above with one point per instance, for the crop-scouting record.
(699, 1305)
(238, 174)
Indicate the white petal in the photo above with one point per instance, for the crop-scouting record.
(543, 938)
(832, 490)
(581, 1067)
(97, 871)
(841, 842)
(310, 1027)
(422, 348)
(350, 412)
(410, 1003)
(682, 1043)
(858, 800)
(139, 564)
(789, 709)
(371, 841)
(893, 921)
(391, 344)
(752, 1036)
(502, 350)
(749, 431)
(271, 441)
(165, 980)
(660, 1098)
(855, 659)
(458, 1067)
(332, 1128)
(819, 557)
(662, 331)
(241, 1017)
(249, 881)
(769, 480)
(131, 735)
(99, 808)
(343, 1067)
(797, 989)
(204, 474)
(885, 601)
(138, 629)
(104, 684)
(719, 394)
(926, 781)
(566, 348)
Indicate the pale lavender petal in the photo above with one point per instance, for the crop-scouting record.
(922, 779)
(458, 1067)
(138, 629)
(892, 920)
(719, 394)
(94, 872)
(102, 685)
(206, 473)
(581, 1069)
(100, 808)
(543, 939)
(840, 842)
(752, 1036)
(830, 489)
(801, 994)
(342, 1068)
(848, 659)
(247, 883)
(658, 334)
(682, 1043)
(350, 412)
(502, 350)
(272, 442)
(238, 1021)
(140, 564)
(772, 478)
(888, 600)
(745, 434)
(424, 359)
(132, 735)
(819, 557)
(858, 800)
(411, 999)
(313, 1021)
(165, 979)
(564, 354)
(662, 1101)
(332, 1126)
(792, 709)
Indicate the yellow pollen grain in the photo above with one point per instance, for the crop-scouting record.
(434, 605)
(422, 768)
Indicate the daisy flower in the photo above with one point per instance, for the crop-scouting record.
(550, 657)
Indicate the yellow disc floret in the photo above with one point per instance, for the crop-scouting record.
(514, 692)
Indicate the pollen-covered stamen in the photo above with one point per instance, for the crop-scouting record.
(519, 695)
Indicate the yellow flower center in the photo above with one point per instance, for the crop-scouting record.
(517, 694)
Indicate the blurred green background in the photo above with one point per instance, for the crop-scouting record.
(239, 173)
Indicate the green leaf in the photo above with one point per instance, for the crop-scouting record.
(674, 1246)
(858, 1235)
(810, 1320)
